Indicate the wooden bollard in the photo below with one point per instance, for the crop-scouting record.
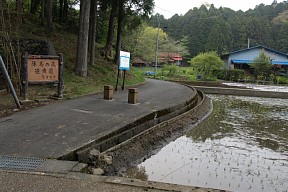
(133, 96)
(108, 92)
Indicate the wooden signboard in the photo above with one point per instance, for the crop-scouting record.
(41, 69)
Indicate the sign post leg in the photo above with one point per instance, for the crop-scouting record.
(124, 76)
(25, 77)
(9, 82)
(60, 76)
(116, 87)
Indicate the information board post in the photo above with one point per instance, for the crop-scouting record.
(124, 76)
(118, 73)
(124, 64)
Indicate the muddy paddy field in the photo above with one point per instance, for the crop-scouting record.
(241, 146)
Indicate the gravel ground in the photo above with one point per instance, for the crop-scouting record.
(35, 182)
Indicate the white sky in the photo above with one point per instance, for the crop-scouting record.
(168, 8)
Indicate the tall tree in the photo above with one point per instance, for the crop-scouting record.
(262, 66)
(92, 31)
(220, 37)
(119, 29)
(34, 6)
(61, 7)
(19, 8)
(65, 10)
(206, 62)
(142, 43)
(225, 30)
(49, 16)
(82, 42)
(141, 8)
(110, 34)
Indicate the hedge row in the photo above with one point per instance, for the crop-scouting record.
(230, 75)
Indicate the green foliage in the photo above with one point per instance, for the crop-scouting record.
(142, 42)
(262, 67)
(225, 30)
(230, 75)
(281, 18)
(282, 80)
(206, 63)
(170, 70)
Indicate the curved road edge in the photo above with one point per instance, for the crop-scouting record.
(132, 151)
(132, 129)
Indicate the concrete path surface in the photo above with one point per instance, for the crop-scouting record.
(55, 130)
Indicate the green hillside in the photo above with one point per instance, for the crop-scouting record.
(225, 30)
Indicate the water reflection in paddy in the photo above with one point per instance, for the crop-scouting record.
(242, 146)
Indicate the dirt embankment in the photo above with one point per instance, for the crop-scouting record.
(41, 95)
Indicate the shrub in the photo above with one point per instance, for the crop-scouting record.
(235, 74)
(221, 73)
(282, 80)
(171, 69)
(231, 74)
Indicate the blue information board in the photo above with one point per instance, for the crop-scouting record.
(124, 60)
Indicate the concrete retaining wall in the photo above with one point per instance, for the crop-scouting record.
(199, 112)
(132, 152)
(242, 92)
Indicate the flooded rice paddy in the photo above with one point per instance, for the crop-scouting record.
(242, 146)
(273, 88)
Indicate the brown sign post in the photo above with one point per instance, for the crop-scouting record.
(42, 69)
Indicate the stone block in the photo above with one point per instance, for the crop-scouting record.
(97, 171)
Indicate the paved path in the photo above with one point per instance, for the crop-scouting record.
(56, 130)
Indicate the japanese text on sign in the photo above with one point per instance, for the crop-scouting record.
(43, 70)
(124, 60)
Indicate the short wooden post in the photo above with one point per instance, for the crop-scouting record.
(108, 92)
(25, 77)
(60, 76)
(133, 96)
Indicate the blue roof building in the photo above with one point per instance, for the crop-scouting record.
(240, 59)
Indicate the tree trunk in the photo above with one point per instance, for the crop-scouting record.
(43, 12)
(65, 11)
(49, 17)
(92, 30)
(34, 6)
(82, 43)
(119, 31)
(3, 2)
(110, 34)
(19, 8)
(19, 5)
(60, 14)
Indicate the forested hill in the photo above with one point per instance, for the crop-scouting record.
(225, 30)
